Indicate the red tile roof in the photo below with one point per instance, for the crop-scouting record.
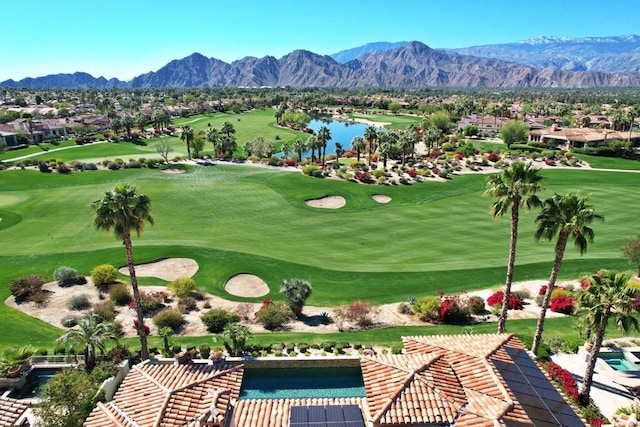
(276, 412)
(11, 410)
(164, 394)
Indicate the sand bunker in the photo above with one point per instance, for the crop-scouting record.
(167, 269)
(246, 285)
(328, 202)
(173, 171)
(381, 198)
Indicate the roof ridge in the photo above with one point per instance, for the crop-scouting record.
(210, 377)
(119, 411)
(394, 396)
(153, 380)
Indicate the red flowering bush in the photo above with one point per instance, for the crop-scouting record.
(543, 290)
(584, 283)
(515, 302)
(459, 155)
(549, 161)
(493, 156)
(453, 311)
(562, 304)
(564, 379)
(289, 162)
(435, 171)
(147, 331)
(412, 173)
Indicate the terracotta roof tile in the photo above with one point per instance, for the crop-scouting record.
(472, 345)
(11, 410)
(155, 395)
(276, 412)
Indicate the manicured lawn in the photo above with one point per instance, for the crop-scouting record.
(42, 148)
(398, 121)
(241, 219)
(609, 162)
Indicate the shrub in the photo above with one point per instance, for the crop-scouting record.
(244, 310)
(296, 291)
(187, 304)
(182, 287)
(562, 304)
(169, 318)
(134, 164)
(25, 287)
(475, 304)
(78, 302)
(308, 170)
(515, 303)
(361, 313)
(66, 276)
(68, 322)
(427, 307)
(43, 167)
(104, 275)
(274, 315)
(150, 302)
(91, 167)
(120, 295)
(204, 350)
(215, 320)
(317, 173)
(106, 311)
(453, 311)
(113, 166)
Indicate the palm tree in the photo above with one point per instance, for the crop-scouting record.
(165, 333)
(323, 136)
(124, 210)
(287, 149)
(92, 333)
(371, 134)
(296, 291)
(127, 123)
(516, 186)
(385, 147)
(141, 119)
(608, 296)
(313, 144)
(565, 216)
(213, 136)
(357, 143)
(431, 134)
(339, 151)
(300, 146)
(187, 136)
(228, 129)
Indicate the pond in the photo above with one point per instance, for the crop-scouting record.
(342, 132)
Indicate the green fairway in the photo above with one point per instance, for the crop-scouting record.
(609, 162)
(244, 219)
(398, 121)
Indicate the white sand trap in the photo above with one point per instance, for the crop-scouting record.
(328, 202)
(381, 198)
(167, 269)
(246, 285)
(173, 171)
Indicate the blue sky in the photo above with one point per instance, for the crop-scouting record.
(124, 38)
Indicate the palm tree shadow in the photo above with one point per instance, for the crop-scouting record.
(315, 320)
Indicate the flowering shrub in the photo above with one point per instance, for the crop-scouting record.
(147, 331)
(150, 302)
(515, 302)
(564, 379)
(453, 310)
(435, 171)
(562, 304)
(584, 283)
(493, 156)
(475, 305)
(549, 161)
(458, 155)
(412, 173)
(289, 162)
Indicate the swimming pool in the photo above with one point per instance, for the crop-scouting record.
(618, 361)
(292, 383)
(35, 380)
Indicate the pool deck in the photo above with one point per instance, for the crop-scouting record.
(609, 389)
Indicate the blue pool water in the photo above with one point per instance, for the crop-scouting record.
(618, 362)
(289, 383)
(36, 379)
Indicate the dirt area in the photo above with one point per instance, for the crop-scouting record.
(244, 285)
(173, 171)
(328, 202)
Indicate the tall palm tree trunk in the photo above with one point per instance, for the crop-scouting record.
(585, 389)
(560, 247)
(515, 216)
(144, 354)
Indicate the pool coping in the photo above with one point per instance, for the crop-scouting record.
(625, 378)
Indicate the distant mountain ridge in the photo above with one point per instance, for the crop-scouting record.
(607, 54)
(412, 65)
(347, 55)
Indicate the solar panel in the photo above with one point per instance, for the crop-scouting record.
(540, 400)
(326, 416)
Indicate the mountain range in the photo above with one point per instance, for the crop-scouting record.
(539, 62)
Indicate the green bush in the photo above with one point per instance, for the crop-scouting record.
(396, 349)
(120, 295)
(66, 276)
(317, 173)
(104, 275)
(187, 304)
(427, 307)
(182, 287)
(308, 170)
(25, 287)
(106, 311)
(215, 320)
(204, 350)
(78, 302)
(91, 167)
(275, 315)
(475, 304)
(169, 318)
(68, 322)
(113, 166)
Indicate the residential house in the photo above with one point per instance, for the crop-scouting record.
(13, 412)
(568, 138)
(484, 122)
(457, 380)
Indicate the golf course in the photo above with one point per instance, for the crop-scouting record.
(242, 218)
